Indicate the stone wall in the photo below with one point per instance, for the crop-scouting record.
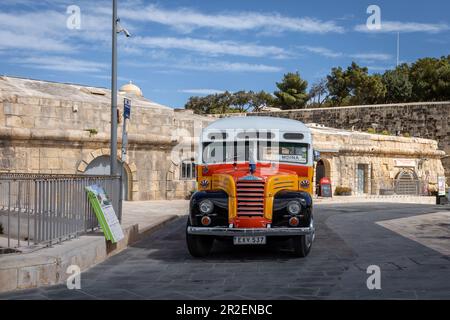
(424, 120)
(342, 152)
(53, 134)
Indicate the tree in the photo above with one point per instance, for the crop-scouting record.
(317, 93)
(220, 102)
(241, 100)
(355, 86)
(338, 86)
(292, 92)
(226, 102)
(397, 83)
(430, 78)
(260, 100)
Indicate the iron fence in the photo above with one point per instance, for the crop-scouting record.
(412, 187)
(47, 209)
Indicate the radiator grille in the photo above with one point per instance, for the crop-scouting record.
(250, 197)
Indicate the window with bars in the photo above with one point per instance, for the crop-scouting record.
(187, 170)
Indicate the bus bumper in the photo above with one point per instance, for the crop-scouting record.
(222, 231)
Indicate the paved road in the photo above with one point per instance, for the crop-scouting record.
(348, 241)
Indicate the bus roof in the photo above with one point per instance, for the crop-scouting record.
(258, 123)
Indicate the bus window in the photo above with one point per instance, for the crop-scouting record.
(285, 152)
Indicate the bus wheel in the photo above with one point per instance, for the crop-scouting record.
(302, 244)
(198, 246)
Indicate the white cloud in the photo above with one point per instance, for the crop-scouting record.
(379, 68)
(14, 41)
(186, 20)
(322, 51)
(405, 27)
(46, 30)
(208, 47)
(357, 56)
(210, 66)
(222, 66)
(59, 63)
(371, 56)
(201, 91)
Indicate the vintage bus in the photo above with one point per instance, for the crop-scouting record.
(254, 181)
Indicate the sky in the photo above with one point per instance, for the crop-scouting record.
(182, 48)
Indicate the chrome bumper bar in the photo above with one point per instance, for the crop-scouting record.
(221, 231)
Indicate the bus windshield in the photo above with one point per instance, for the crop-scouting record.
(243, 151)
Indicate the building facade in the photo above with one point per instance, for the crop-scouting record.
(59, 128)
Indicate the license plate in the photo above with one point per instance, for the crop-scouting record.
(249, 240)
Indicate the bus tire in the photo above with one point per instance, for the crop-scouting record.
(198, 246)
(302, 244)
(301, 249)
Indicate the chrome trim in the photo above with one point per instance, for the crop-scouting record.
(222, 231)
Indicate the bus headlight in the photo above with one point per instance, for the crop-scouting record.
(206, 206)
(294, 207)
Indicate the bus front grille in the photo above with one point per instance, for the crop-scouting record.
(250, 198)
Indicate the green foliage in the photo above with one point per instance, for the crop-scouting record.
(385, 133)
(219, 103)
(338, 86)
(340, 191)
(92, 131)
(397, 83)
(430, 79)
(406, 134)
(354, 86)
(427, 79)
(291, 92)
(371, 130)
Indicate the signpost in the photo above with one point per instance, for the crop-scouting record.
(104, 211)
(123, 157)
(126, 119)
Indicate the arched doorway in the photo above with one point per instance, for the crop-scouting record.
(322, 170)
(407, 183)
(101, 166)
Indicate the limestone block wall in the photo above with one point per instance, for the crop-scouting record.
(430, 120)
(344, 150)
(46, 135)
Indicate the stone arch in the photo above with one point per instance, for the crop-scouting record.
(406, 182)
(321, 169)
(130, 168)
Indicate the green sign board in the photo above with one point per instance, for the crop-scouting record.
(104, 211)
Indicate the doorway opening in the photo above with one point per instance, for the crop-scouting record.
(101, 166)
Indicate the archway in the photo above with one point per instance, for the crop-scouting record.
(322, 170)
(406, 183)
(98, 163)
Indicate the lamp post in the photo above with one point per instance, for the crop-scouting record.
(116, 28)
(113, 165)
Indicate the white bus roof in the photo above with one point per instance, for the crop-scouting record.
(258, 123)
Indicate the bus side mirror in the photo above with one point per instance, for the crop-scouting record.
(316, 155)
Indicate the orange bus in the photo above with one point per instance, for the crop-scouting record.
(254, 185)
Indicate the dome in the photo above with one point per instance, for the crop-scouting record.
(131, 88)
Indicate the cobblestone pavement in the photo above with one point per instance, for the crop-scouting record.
(348, 240)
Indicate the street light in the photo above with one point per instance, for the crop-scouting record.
(116, 28)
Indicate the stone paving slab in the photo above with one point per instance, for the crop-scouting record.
(47, 266)
(431, 230)
(348, 240)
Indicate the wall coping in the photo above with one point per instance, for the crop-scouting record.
(407, 104)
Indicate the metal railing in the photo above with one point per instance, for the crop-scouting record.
(412, 187)
(38, 209)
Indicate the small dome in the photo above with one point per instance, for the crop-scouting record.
(131, 88)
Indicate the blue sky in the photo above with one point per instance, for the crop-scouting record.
(184, 48)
